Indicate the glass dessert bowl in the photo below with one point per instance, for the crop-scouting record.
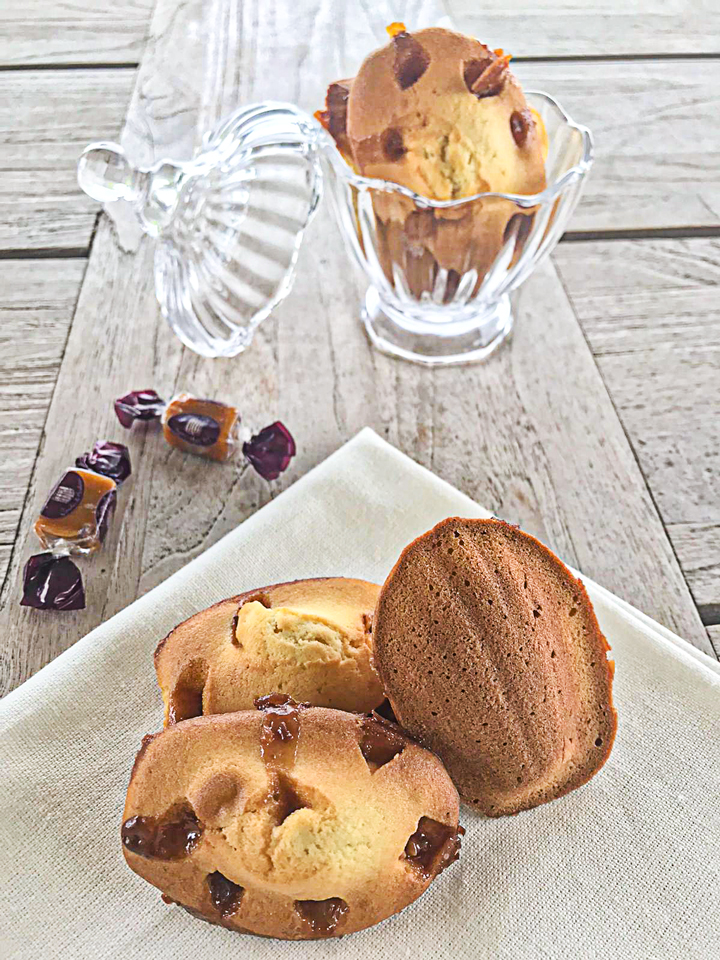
(432, 113)
(441, 272)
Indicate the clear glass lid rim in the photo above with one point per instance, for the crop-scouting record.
(548, 195)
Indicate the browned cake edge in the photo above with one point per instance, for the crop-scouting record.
(239, 599)
(182, 672)
(159, 873)
(595, 762)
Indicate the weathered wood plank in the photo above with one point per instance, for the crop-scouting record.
(651, 313)
(72, 31)
(38, 32)
(46, 119)
(657, 143)
(609, 27)
(714, 634)
(697, 546)
(652, 316)
(657, 148)
(512, 433)
(38, 299)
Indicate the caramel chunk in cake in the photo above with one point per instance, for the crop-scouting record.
(282, 822)
(311, 639)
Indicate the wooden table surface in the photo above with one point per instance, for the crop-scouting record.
(597, 428)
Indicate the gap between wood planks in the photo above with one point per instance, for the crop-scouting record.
(641, 233)
(651, 233)
(31, 67)
(614, 57)
(709, 613)
(48, 253)
(569, 58)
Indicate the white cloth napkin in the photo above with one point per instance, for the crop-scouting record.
(627, 866)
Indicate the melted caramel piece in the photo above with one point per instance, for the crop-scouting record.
(381, 740)
(185, 704)
(77, 512)
(206, 428)
(225, 894)
(411, 59)
(486, 75)
(386, 712)
(392, 144)
(278, 745)
(395, 28)
(171, 837)
(322, 916)
(186, 699)
(520, 122)
(433, 847)
(334, 117)
(280, 729)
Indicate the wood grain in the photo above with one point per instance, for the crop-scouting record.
(46, 119)
(71, 31)
(38, 299)
(651, 313)
(574, 28)
(657, 146)
(38, 32)
(657, 141)
(512, 433)
(697, 546)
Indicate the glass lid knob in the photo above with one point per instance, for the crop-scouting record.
(229, 222)
(105, 174)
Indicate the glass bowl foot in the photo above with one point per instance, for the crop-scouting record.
(469, 340)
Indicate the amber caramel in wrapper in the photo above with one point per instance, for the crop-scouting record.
(206, 428)
(75, 516)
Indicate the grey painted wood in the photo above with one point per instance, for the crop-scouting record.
(575, 28)
(72, 31)
(656, 143)
(513, 433)
(36, 307)
(656, 137)
(46, 119)
(651, 312)
(697, 546)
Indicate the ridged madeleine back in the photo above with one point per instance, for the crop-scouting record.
(491, 655)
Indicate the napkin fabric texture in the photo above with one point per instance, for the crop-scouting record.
(626, 867)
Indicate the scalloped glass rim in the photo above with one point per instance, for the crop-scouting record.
(549, 194)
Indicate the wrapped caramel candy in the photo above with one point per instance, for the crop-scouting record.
(52, 583)
(76, 515)
(74, 520)
(206, 428)
(209, 428)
